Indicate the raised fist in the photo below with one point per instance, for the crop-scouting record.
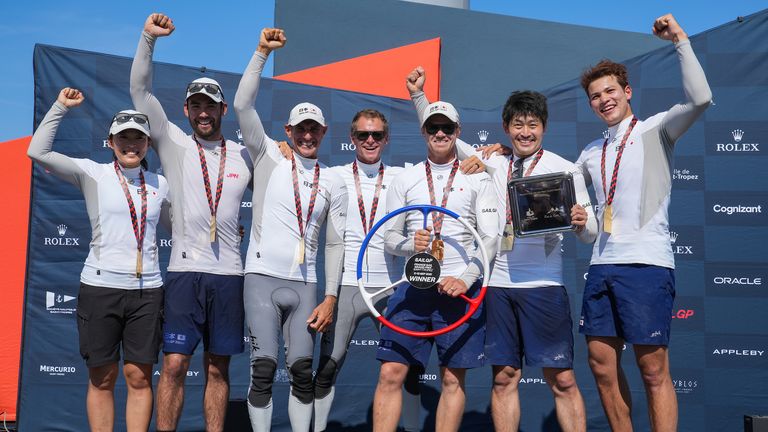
(415, 80)
(159, 25)
(666, 27)
(70, 97)
(271, 39)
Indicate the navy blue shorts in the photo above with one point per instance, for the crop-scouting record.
(203, 306)
(630, 301)
(534, 323)
(427, 310)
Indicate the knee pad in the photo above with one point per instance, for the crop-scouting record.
(262, 376)
(300, 374)
(412, 382)
(325, 377)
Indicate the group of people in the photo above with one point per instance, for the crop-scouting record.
(209, 295)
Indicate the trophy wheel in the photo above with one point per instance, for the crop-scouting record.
(427, 278)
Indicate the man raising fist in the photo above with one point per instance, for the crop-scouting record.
(630, 286)
(207, 175)
(293, 198)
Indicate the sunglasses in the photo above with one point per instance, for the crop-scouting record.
(211, 89)
(363, 135)
(447, 128)
(125, 118)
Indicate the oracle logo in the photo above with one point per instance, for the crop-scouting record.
(728, 280)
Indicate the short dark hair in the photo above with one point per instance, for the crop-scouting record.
(371, 114)
(605, 68)
(525, 103)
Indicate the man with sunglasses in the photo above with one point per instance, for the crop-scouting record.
(368, 180)
(630, 287)
(292, 199)
(439, 182)
(528, 309)
(207, 176)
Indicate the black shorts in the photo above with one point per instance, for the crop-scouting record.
(107, 317)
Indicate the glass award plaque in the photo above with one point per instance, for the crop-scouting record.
(542, 204)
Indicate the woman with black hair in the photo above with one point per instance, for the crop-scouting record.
(120, 301)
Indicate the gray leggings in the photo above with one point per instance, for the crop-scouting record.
(351, 309)
(273, 305)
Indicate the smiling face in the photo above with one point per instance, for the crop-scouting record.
(609, 100)
(526, 133)
(130, 147)
(441, 145)
(204, 116)
(306, 137)
(368, 148)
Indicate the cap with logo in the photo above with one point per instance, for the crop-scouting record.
(129, 119)
(440, 107)
(207, 86)
(306, 111)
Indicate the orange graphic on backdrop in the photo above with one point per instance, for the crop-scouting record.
(381, 73)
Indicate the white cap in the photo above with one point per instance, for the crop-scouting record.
(306, 111)
(129, 119)
(443, 108)
(216, 96)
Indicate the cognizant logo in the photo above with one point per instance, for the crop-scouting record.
(729, 210)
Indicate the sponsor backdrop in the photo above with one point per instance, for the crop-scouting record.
(719, 354)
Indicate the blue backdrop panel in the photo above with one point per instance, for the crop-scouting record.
(719, 352)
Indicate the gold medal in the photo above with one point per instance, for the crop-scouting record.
(300, 252)
(139, 264)
(508, 240)
(213, 228)
(607, 217)
(438, 249)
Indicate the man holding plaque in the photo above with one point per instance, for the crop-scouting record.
(436, 181)
(292, 199)
(207, 176)
(527, 305)
(630, 286)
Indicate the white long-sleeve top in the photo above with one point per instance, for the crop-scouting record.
(640, 222)
(192, 249)
(111, 259)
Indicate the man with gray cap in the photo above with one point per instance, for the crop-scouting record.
(292, 198)
(437, 181)
(207, 176)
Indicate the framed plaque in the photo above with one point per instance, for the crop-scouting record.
(542, 204)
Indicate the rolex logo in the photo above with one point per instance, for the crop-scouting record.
(239, 135)
(61, 240)
(737, 134)
(672, 237)
(606, 134)
(483, 135)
